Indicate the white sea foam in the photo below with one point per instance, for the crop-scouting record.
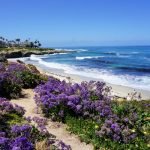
(135, 52)
(39, 57)
(82, 50)
(146, 58)
(53, 54)
(58, 53)
(36, 57)
(125, 80)
(61, 49)
(117, 54)
(88, 57)
(123, 56)
(61, 53)
(67, 49)
(58, 49)
(21, 58)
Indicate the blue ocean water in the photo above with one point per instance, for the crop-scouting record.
(128, 65)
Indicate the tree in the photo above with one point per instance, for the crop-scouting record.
(2, 42)
(18, 40)
(39, 45)
(17, 43)
(31, 44)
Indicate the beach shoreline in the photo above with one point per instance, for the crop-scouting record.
(117, 90)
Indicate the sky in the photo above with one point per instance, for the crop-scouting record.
(77, 22)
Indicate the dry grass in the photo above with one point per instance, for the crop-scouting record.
(43, 145)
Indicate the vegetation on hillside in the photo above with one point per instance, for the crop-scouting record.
(90, 112)
(87, 108)
(5, 43)
(15, 76)
(16, 131)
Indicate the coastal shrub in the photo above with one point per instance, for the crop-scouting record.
(90, 112)
(10, 85)
(29, 76)
(9, 112)
(58, 99)
(29, 79)
(15, 76)
(17, 134)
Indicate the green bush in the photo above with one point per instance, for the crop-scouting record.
(15, 76)
(30, 80)
(10, 89)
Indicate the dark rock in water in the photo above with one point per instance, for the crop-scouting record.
(20, 62)
(33, 68)
(28, 54)
(3, 58)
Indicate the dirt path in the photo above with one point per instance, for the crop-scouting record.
(57, 129)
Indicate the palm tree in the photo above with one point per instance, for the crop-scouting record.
(31, 44)
(39, 45)
(18, 40)
(2, 42)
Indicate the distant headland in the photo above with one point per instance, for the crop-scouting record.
(18, 48)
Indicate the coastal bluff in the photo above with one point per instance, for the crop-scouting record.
(17, 53)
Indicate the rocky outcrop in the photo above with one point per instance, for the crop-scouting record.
(33, 68)
(20, 62)
(3, 58)
(28, 53)
(13, 54)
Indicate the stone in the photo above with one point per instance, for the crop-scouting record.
(3, 58)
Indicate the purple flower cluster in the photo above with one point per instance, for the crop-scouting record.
(10, 83)
(41, 122)
(14, 77)
(61, 145)
(18, 139)
(16, 67)
(86, 99)
(23, 137)
(23, 130)
(7, 107)
(2, 67)
(21, 143)
(4, 143)
(118, 129)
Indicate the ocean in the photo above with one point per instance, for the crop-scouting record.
(124, 65)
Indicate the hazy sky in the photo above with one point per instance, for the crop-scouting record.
(77, 22)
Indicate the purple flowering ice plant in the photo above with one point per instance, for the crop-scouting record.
(58, 97)
(17, 137)
(118, 129)
(7, 107)
(87, 100)
(10, 84)
(14, 77)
